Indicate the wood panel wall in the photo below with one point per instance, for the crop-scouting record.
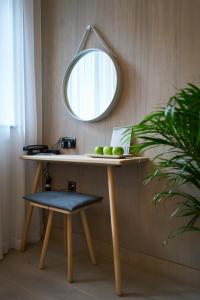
(157, 45)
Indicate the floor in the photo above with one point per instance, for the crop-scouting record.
(20, 279)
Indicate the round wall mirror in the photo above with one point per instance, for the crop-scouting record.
(91, 85)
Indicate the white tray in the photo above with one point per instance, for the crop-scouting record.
(108, 156)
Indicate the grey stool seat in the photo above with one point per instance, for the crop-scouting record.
(63, 200)
(67, 203)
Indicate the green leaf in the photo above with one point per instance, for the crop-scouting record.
(176, 127)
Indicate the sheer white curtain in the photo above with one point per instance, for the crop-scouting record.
(20, 117)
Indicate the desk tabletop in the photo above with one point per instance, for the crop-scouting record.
(83, 159)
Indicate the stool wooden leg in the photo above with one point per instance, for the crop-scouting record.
(69, 248)
(46, 239)
(88, 236)
(65, 233)
(26, 226)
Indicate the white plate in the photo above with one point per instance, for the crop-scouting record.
(108, 156)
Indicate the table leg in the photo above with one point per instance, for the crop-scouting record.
(36, 178)
(115, 239)
(30, 207)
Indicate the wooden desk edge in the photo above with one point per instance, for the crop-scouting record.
(62, 158)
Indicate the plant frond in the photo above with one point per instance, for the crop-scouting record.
(177, 127)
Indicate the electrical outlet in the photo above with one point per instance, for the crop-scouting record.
(71, 186)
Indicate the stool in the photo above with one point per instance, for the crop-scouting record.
(67, 203)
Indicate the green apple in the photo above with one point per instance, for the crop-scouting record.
(118, 151)
(107, 150)
(98, 150)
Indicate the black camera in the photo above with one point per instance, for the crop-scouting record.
(67, 142)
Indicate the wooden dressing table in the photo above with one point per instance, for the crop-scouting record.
(109, 163)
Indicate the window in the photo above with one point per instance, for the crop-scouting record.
(6, 64)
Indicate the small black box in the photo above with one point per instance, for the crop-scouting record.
(68, 142)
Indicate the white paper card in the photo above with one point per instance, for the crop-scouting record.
(117, 139)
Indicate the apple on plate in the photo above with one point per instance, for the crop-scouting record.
(117, 151)
(98, 150)
(107, 150)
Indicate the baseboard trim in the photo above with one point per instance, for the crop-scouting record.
(138, 260)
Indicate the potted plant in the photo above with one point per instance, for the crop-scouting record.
(177, 127)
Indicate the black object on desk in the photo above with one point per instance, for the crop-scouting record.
(36, 149)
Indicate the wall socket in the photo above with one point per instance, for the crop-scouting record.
(71, 186)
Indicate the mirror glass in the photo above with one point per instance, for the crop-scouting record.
(91, 85)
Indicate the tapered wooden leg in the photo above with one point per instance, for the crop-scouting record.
(26, 226)
(88, 236)
(30, 207)
(36, 177)
(46, 239)
(65, 233)
(114, 228)
(69, 249)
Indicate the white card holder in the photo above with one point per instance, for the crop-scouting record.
(118, 139)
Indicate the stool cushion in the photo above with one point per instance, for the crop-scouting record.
(63, 200)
